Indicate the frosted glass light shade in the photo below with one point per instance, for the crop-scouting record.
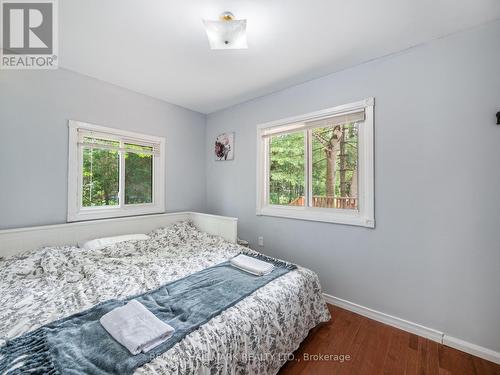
(226, 34)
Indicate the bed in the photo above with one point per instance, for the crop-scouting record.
(255, 336)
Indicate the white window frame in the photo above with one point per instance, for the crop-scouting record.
(365, 214)
(76, 211)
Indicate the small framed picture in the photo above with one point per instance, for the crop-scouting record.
(224, 147)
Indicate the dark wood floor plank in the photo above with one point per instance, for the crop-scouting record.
(433, 357)
(376, 348)
(412, 356)
(423, 356)
(340, 345)
(355, 348)
(372, 355)
(455, 361)
(484, 367)
(395, 359)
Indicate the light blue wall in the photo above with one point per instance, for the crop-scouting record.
(35, 107)
(434, 257)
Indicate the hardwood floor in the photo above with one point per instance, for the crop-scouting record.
(376, 348)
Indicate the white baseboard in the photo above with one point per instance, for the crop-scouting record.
(416, 329)
(405, 325)
(473, 349)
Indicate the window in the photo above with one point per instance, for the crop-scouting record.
(114, 173)
(318, 166)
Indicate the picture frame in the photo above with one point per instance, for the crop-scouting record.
(224, 147)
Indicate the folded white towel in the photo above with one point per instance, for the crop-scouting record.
(135, 327)
(249, 264)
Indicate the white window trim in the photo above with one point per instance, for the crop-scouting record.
(75, 164)
(365, 215)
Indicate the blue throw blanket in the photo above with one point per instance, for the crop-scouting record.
(79, 344)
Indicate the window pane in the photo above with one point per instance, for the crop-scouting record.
(286, 174)
(335, 166)
(101, 171)
(138, 176)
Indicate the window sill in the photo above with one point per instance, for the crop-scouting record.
(110, 212)
(336, 216)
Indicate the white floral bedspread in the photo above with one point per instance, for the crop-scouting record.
(252, 337)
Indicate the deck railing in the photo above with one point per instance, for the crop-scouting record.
(328, 202)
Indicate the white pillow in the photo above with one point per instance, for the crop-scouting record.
(101, 243)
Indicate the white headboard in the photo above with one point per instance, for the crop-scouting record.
(14, 241)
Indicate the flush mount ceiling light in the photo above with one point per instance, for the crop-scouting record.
(226, 33)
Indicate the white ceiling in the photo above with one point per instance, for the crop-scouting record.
(159, 47)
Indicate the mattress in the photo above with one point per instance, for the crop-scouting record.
(255, 336)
